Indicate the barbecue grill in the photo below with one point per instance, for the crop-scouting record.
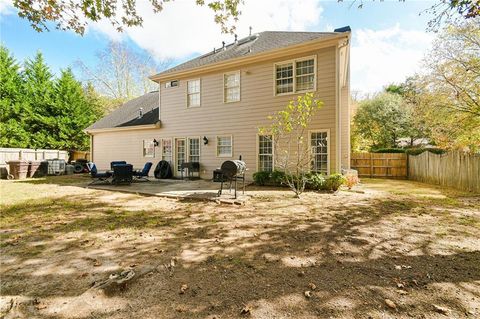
(232, 171)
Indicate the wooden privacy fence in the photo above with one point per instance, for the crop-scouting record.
(452, 169)
(387, 165)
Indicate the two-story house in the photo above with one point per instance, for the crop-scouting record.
(209, 109)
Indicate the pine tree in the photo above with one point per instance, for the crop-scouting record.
(13, 109)
(39, 95)
(72, 112)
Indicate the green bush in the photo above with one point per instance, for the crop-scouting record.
(261, 178)
(277, 178)
(334, 181)
(389, 150)
(315, 181)
(418, 151)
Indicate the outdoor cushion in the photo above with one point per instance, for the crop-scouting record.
(113, 163)
(144, 171)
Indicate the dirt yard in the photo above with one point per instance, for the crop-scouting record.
(392, 249)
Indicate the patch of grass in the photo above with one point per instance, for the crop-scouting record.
(469, 221)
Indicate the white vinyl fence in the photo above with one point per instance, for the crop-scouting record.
(27, 154)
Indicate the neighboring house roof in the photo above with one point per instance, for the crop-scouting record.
(128, 113)
(258, 43)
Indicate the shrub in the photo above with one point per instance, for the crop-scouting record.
(277, 178)
(389, 150)
(316, 181)
(334, 181)
(351, 180)
(418, 151)
(261, 178)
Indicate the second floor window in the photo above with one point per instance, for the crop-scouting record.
(231, 87)
(295, 76)
(193, 93)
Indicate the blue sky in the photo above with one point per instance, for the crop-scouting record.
(389, 38)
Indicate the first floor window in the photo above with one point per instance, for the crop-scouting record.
(319, 147)
(167, 150)
(265, 153)
(148, 148)
(194, 150)
(231, 85)
(193, 93)
(224, 146)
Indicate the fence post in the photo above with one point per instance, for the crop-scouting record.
(371, 165)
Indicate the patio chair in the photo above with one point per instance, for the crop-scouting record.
(98, 177)
(143, 174)
(191, 167)
(113, 163)
(122, 174)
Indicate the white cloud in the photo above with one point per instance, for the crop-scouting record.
(6, 7)
(183, 28)
(384, 56)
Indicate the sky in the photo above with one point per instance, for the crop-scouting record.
(389, 38)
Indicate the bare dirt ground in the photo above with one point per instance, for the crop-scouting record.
(396, 249)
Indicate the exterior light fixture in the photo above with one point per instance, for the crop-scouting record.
(205, 140)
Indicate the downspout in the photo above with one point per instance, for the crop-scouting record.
(91, 147)
(338, 134)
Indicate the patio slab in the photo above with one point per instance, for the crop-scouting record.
(179, 189)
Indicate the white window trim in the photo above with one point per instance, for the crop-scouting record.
(239, 87)
(329, 141)
(257, 154)
(174, 156)
(314, 57)
(143, 148)
(231, 148)
(171, 147)
(199, 93)
(199, 147)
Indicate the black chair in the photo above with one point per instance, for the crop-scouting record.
(122, 174)
(112, 164)
(143, 174)
(98, 177)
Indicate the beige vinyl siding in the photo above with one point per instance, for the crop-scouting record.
(214, 118)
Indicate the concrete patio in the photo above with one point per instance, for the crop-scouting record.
(180, 189)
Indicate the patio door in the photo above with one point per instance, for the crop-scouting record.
(180, 154)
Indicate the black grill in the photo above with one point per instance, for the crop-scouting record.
(232, 171)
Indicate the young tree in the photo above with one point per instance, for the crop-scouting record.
(77, 15)
(121, 73)
(39, 95)
(289, 128)
(13, 109)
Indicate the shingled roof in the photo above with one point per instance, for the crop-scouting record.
(128, 113)
(261, 42)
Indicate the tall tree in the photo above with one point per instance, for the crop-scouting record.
(13, 109)
(448, 92)
(39, 95)
(121, 73)
(72, 114)
(382, 120)
(77, 15)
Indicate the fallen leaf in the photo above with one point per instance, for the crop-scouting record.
(441, 310)
(400, 285)
(97, 264)
(312, 286)
(246, 310)
(390, 304)
(183, 288)
(402, 292)
(308, 294)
